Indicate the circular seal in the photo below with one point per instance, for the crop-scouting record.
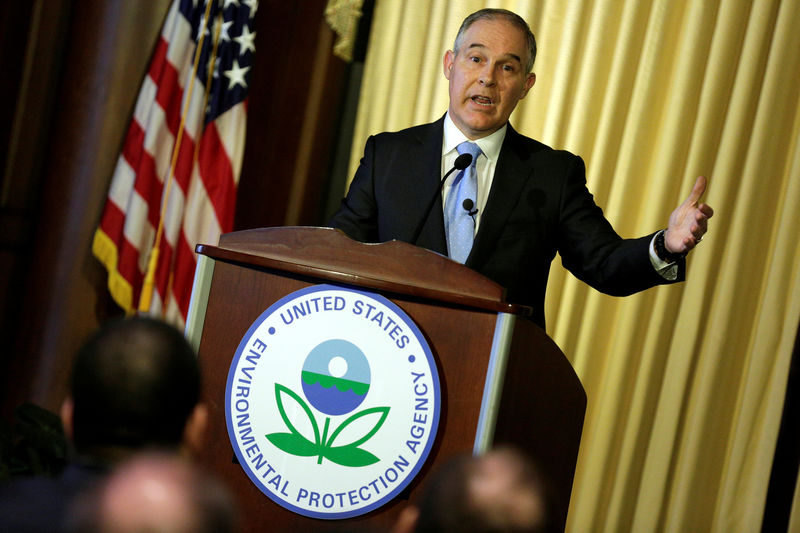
(332, 401)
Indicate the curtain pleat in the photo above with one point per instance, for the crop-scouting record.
(685, 383)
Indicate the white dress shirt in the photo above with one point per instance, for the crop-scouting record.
(490, 146)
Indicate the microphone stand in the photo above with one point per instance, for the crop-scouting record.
(461, 162)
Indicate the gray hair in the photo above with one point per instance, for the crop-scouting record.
(510, 16)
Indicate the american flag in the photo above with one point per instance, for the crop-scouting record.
(193, 131)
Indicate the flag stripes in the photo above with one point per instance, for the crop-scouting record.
(195, 201)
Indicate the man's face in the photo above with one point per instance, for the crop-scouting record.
(487, 76)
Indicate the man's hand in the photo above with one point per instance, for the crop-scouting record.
(689, 222)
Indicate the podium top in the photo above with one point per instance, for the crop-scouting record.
(332, 256)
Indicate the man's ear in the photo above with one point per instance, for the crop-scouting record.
(447, 63)
(529, 81)
(194, 432)
(67, 411)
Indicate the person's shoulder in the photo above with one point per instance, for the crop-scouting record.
(40, 503)
(418, 133)
(33, 504)
(531, 149)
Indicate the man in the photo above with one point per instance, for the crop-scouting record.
(531, 201)
(498, 491)
(155, 492)
(135, 386)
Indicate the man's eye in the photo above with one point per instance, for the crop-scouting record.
(475, 59)
(508, 68)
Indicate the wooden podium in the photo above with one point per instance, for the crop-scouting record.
(503, 380)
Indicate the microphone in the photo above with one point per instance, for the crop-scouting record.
(468, 207)
(461, 162)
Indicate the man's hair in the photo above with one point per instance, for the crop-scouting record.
(501, 491)
(509, 16)
(134, 384)
(441, 506)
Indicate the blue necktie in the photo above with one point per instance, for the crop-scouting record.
(459, 224)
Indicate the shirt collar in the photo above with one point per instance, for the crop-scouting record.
(490, 145)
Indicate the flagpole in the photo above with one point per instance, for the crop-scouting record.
(148, 286)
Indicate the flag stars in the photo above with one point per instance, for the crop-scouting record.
(226, 55)
(246, 41)
(236, 75)
(211, 27)
(213, 66)
(224, 35)
(253, 5)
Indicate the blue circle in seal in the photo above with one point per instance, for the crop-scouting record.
(336, 395)
(423, 454)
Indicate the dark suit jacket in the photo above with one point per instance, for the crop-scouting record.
(538, 205)
(43, 504)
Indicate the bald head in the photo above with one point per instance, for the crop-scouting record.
(156, 492)
(503, 488)
(500, 491)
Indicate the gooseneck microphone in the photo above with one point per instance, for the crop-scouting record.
(469, 207)
(461, 162)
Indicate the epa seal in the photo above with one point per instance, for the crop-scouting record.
(332, 401)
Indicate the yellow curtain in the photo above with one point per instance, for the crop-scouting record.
(685, 383)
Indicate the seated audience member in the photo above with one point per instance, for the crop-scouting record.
(135, 385)
(155, 492)
(500, 491)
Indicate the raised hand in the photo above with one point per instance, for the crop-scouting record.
(689, 221)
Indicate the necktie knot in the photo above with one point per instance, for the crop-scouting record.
(469, 148)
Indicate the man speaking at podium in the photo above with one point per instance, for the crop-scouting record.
(508, 207)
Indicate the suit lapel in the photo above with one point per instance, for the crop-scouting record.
(510, 177)
(426, 171)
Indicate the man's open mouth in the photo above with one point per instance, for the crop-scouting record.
(482, 100)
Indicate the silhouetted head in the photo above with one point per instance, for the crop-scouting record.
(500, 491)
(135, 384)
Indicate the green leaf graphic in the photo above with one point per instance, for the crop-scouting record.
(293, 443)
(384, 413)
(279, 400)
(296, 444)
(350, 456)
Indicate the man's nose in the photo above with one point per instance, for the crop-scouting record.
(486, 76)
